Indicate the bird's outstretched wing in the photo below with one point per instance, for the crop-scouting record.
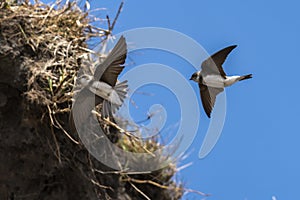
(208, 97)
(109, 70)
(213, 65)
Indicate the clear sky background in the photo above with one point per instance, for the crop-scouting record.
(257, 156)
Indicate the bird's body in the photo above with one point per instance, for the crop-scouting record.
(107, 92)
(212, 79)
(218, 81)
(102, 87)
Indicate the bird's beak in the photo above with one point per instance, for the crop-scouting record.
(191, 78)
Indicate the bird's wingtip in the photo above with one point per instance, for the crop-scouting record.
(234, 46)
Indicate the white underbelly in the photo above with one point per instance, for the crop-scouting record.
(105, 91)
(214, 81)
(231, 80)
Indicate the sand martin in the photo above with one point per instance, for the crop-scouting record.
(212, 79)
(102, 87)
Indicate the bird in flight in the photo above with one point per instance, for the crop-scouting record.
(212, 79)
(102, 87)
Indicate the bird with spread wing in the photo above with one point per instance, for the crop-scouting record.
(102, 87)
(212, 79)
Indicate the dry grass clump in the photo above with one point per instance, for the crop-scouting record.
(51, 41)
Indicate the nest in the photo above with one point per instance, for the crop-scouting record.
(50, 44)
(51, 41)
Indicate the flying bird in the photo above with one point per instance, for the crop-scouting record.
(102, 87)
(212, 79)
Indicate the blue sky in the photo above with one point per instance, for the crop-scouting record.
(257, 156)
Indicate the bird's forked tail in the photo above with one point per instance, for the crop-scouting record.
(117, 98)
(245, 77)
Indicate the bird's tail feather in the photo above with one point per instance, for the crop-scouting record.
(245, 77)
(109, 108)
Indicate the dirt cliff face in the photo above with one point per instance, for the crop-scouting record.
(38, 160)
(29, 168)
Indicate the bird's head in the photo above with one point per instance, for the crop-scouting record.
(85, 79)
(195, 76)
